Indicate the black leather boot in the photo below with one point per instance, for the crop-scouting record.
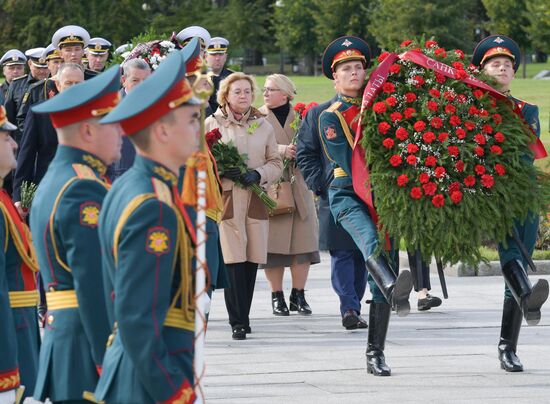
(396, 289)
(298, 302)
(379, 319)
(509, 333)
(529, 298)
(278, 304)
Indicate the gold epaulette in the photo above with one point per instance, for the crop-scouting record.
(334, 107)
(84, 172)
(162, 191)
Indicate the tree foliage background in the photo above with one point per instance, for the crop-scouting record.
(297, 28)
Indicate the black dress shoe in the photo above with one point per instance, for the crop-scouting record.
(428, 302)
(350, 320)
(362, 323)
(509, 361)
(298, 302)
(239, 333)
(278, 304)
(248, 330)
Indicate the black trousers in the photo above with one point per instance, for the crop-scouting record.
(239, 294)
(425, 268)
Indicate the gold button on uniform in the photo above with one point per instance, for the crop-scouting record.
(50, 319)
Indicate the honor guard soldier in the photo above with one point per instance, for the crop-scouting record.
(216, 56)
(64, 216)
(148, 239)
(38, 70)
(19, 335)
(499, 56)
(13, 66)
(98, 52)
(345, 61)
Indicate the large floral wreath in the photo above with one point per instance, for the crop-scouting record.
(449, 157)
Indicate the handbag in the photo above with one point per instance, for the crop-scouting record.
(281, 192)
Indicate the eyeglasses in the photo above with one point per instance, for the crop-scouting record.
(270, 90)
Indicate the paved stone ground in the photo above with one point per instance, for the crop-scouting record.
(446, 355)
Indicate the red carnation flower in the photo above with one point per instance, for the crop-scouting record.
(395, 68)
(480, 139)
(461, 98)
(478, 94)
(412, 148)
(391, 101)
(438, 201)
(460, 74)
(396, 160)
(402, 180)
(458, 65)
(440, 52)
(383, 56)
(499, 169)
(487, 129)
(388, 88)
(453, 151)
(440, 78)
(487, 181)
(496, 149)
(470, 181)
(429, 188)
(416, 193)
(499, 137)
(473, 110)
(497, 119)
(432, 105)
(430, 44)
(449, 96)
(435, 93)
(307, 108)
(459, 53)
(424, 178)
(401, 134)
(396, 116)
(443, 136)
(456, 197)
(460, 133)
(431, 161)
(450, 109)
(299, 107)
(479, 151)
(409, 112)
(436, 122)
(411, 160)
(388, 143)
(379, 107)
(479, 169)
(440, 172)
(454, 120)
(406, 43)
(469, 125)
(212, 137)
(383, 127)
(419, 126)
(428, 137)
(410, 97)
(419, 81)
(459, 165)
(484, 113)
(455, 186)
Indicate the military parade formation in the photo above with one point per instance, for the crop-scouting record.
(97, 275)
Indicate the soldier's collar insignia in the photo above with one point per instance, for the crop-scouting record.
(158, 241)
(95, 163)
(89, 214)
(165, 175)
(498, 40)
(351, 100)
(347, 43)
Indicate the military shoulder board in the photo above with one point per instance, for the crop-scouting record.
(162, 191)
(84, 172)
(334, 107)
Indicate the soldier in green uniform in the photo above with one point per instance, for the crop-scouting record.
(148, 241)
(64, 218)
(499, 57)
(345, 61)
(19, 336)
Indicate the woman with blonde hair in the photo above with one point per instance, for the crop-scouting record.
(293, 236)
(244, 223)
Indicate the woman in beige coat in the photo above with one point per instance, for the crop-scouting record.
(244, 224)
(293, 237)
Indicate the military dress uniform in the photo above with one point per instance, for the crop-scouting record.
(337, 125)
(147, 238)
(19, 335)
(64, 218)
(11, 57)
(99, 46)
(217, 45)
(521, 298)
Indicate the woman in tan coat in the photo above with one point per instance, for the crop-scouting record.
(244, 224)
(293, 237)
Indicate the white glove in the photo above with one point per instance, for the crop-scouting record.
(7, 397)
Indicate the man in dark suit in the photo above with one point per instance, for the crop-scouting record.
(349, 277)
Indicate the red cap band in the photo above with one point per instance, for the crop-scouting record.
(348, 54)
(92, 109)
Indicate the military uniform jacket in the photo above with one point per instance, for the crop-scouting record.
(146, 236)
(36, 151)
(37, 92)
(64, 219)
(18, 90)
(19, 335)
(4, 87)
(317, 171)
